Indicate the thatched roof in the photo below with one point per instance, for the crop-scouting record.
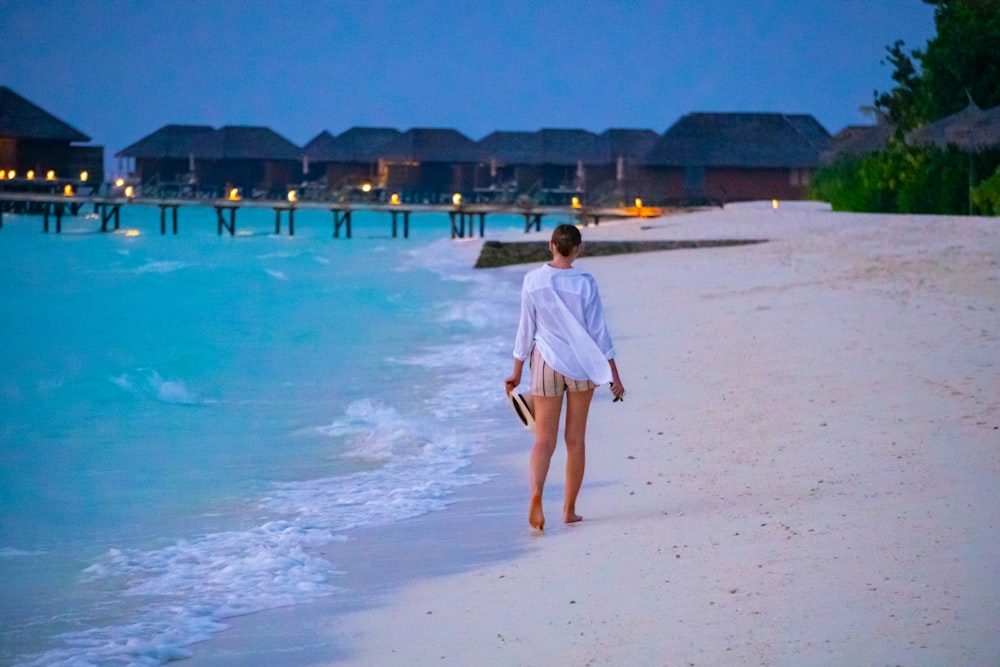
(628, 143)
(748, 140)
(21, 119)
(858, 140)
(233, 142)
(509, 147)
(430, 145)
(568, 147)
(240, 142)
(970, 129)
(358, 144)
(176, 142)
(546, 146)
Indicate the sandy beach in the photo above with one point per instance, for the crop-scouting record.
(804, 471)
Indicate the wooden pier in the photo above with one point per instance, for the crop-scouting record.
(464, 218)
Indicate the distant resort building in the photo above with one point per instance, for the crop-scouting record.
(38, 151)
(702, 158)
(858, 141)
(721, 157)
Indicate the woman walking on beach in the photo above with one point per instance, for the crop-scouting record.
(562, 332)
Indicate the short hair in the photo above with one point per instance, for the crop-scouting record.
(566, 238)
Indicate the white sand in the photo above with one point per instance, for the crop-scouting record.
(805, 471)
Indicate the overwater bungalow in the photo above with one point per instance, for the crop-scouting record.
(622, 178)
(200, 160)
(550, 165)
(37, 149)
(428, 164)
(347, 161)
(720, 157)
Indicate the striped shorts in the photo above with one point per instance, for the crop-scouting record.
(548, 382)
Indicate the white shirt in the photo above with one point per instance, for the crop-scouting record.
(561, 314)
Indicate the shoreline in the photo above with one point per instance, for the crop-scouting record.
(803, 472)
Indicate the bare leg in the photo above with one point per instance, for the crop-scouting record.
(577, 409)
(547, 409)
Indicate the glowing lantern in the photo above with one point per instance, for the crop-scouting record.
(68, 190)
(3, 173)
(234, 194)
(456, 199)
(31, 175)
(119, 182)
(129, 191)
(83, 175)
(394, 199)
(576, 202)
(292, 195)
(50, 175)
(638, 203)
(11, 174)
(774, 203)
(366, 187)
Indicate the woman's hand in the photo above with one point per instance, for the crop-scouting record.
(511, 383)
(617, 390)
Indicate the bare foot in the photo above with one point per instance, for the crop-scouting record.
(535, 516)
(570, 515)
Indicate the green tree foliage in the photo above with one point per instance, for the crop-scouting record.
(987, 194)
(961, 61)
(965, 56)
(900, 179)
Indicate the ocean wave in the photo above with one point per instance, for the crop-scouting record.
(151, 384)
(160, 267)
(196, 585)
(375, 432)
(9, 552)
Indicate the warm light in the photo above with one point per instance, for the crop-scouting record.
(11, 174)
(119, 182)
(292, 195)
(31, 175)
(131, 232)
(50, 175)
(83, 175)
(456, 199)
(3, 173)
(638, 203)
(234, 194)
(576, 202)
(68, 190)
(366, 187)
(394, 199)
(774, 203)
(129, 191)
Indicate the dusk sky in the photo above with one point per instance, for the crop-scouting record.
(119, 70)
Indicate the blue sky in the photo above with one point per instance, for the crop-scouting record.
(118, 70)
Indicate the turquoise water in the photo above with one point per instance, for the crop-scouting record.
(185, 419)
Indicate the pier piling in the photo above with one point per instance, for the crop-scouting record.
(406, 223)
(109, 211)
(163, 217)
(291, 219)
(231, 225)
(341, 217)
